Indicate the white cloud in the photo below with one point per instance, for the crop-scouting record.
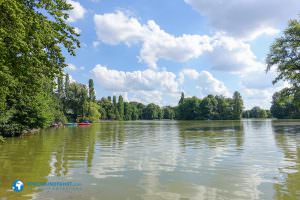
(147, 80)
(247, 18)
(160, 87)
(147, 97)
(259, 79)
(232, 55)
(156, 43)
(77, 12)
(205, 83)
(258, 97)
(113, 28)
(71, 67)
(225, 52)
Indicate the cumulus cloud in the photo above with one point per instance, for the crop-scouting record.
(147, 80)
(77, 12)
(258, 97)
(71, 67)
(247, 19)
(224, 52)
(161, 87)
(232, 55)
(205, 83)
(156, 43)
(114, 28)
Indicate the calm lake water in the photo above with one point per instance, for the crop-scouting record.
(156, 160)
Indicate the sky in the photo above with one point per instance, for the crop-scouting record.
(151, 51)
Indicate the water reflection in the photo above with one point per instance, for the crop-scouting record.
(288, 140)
(251, 159)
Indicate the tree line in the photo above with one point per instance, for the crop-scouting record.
(34, 92)
(257, 112)
(286, 105)
(285, 56)
(193, 108)
(33, 35)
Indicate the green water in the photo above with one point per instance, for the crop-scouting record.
(157, 160)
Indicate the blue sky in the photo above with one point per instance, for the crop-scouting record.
(151, 51)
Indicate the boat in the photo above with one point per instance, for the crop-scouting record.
(84, 123)
(70, 124)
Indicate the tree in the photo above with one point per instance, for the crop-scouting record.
(223, 108)
(121, 107)
(94, 113)
(67, 85)
(189, 109)
(105, 107)
(32, 35)
(60, 87)
(169, 112)
(115, 108)
(152, 111)
(77, 103)
(285, 55)
(127, 111)
(237, 105)
(284, 105)
(256, 112)
(92, 96)
(208, 107)
(181, 98)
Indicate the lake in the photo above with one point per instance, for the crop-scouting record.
(184, 160)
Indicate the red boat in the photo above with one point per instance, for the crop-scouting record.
(84, 123)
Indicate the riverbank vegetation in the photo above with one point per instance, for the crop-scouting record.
(192, 108)
(285, 56)
(33, 35)
(257, 112)
(35, 92)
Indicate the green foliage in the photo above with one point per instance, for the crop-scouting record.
(106, 110)
(285, 55)
(223, 108)
(169, 112)
(238, 105)
(94, 113)
(181, 98)
(121, 107)
(256, 112)
(285, 105)
(32, 35)
(210, 108)
(92, 95)
(189, 109)
(152, 111)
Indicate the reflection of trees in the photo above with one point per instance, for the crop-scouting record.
(111, 134)
(76, 147)
(50, 153)
(27, 159)
(287, 139)
(211, 133)
(255, 124)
